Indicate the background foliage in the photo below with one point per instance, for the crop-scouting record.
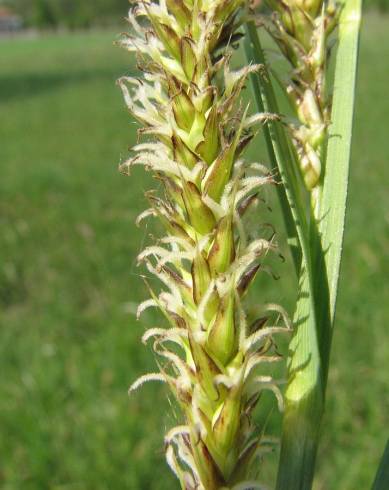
(69, 13)
(76, 14)
(382, 5)
(69, 341)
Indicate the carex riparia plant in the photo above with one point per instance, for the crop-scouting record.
(195, 128)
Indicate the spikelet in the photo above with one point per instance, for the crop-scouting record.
(301, 28)
(188, 102)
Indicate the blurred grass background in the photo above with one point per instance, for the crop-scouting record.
(69, 285)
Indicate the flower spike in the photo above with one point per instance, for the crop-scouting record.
(189, 103)
(301, 28)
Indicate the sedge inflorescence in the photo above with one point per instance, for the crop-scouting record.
(301, 28)
(196, 128)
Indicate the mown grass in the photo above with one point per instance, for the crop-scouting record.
(69, 341)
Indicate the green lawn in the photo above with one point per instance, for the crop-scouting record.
(69, 341)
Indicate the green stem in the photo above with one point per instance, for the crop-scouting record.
(277, 145)
(302, 419)
(304, 395)
(251, 45)
(296, 472)
(321, 246)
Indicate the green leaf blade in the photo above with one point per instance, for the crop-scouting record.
(334, 196)
(381, 481)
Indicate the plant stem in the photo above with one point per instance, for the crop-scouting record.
(321, 246)
(252, 49)
(302, 421)
(304, 393)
